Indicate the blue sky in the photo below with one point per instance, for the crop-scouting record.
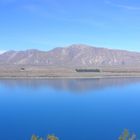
(45, 24)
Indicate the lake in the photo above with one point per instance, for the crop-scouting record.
(72, 109)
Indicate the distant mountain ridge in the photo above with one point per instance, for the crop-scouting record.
(74, 55)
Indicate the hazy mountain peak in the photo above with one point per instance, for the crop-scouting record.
(32, 50)
(79, 46)
(8, 52)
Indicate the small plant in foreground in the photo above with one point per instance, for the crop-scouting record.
(127, 136)
(52, 137)
(49, 137)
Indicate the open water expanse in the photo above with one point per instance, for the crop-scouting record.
(80, 109)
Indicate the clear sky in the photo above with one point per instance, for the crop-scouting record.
(45, 24)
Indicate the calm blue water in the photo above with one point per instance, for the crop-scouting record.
(95, 109)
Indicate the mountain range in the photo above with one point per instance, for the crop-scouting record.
(74, 55)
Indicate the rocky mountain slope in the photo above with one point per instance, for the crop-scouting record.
(74, 55)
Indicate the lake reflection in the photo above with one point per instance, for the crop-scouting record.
(77, 85)
(80, 109)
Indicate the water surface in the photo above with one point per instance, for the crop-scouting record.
(79, 109)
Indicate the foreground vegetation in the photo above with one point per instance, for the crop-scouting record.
(49, 137)
(126, 135)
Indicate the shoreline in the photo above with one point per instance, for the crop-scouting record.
(67, 77)
(34, 72)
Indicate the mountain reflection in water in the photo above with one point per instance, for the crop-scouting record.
(75, 85)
